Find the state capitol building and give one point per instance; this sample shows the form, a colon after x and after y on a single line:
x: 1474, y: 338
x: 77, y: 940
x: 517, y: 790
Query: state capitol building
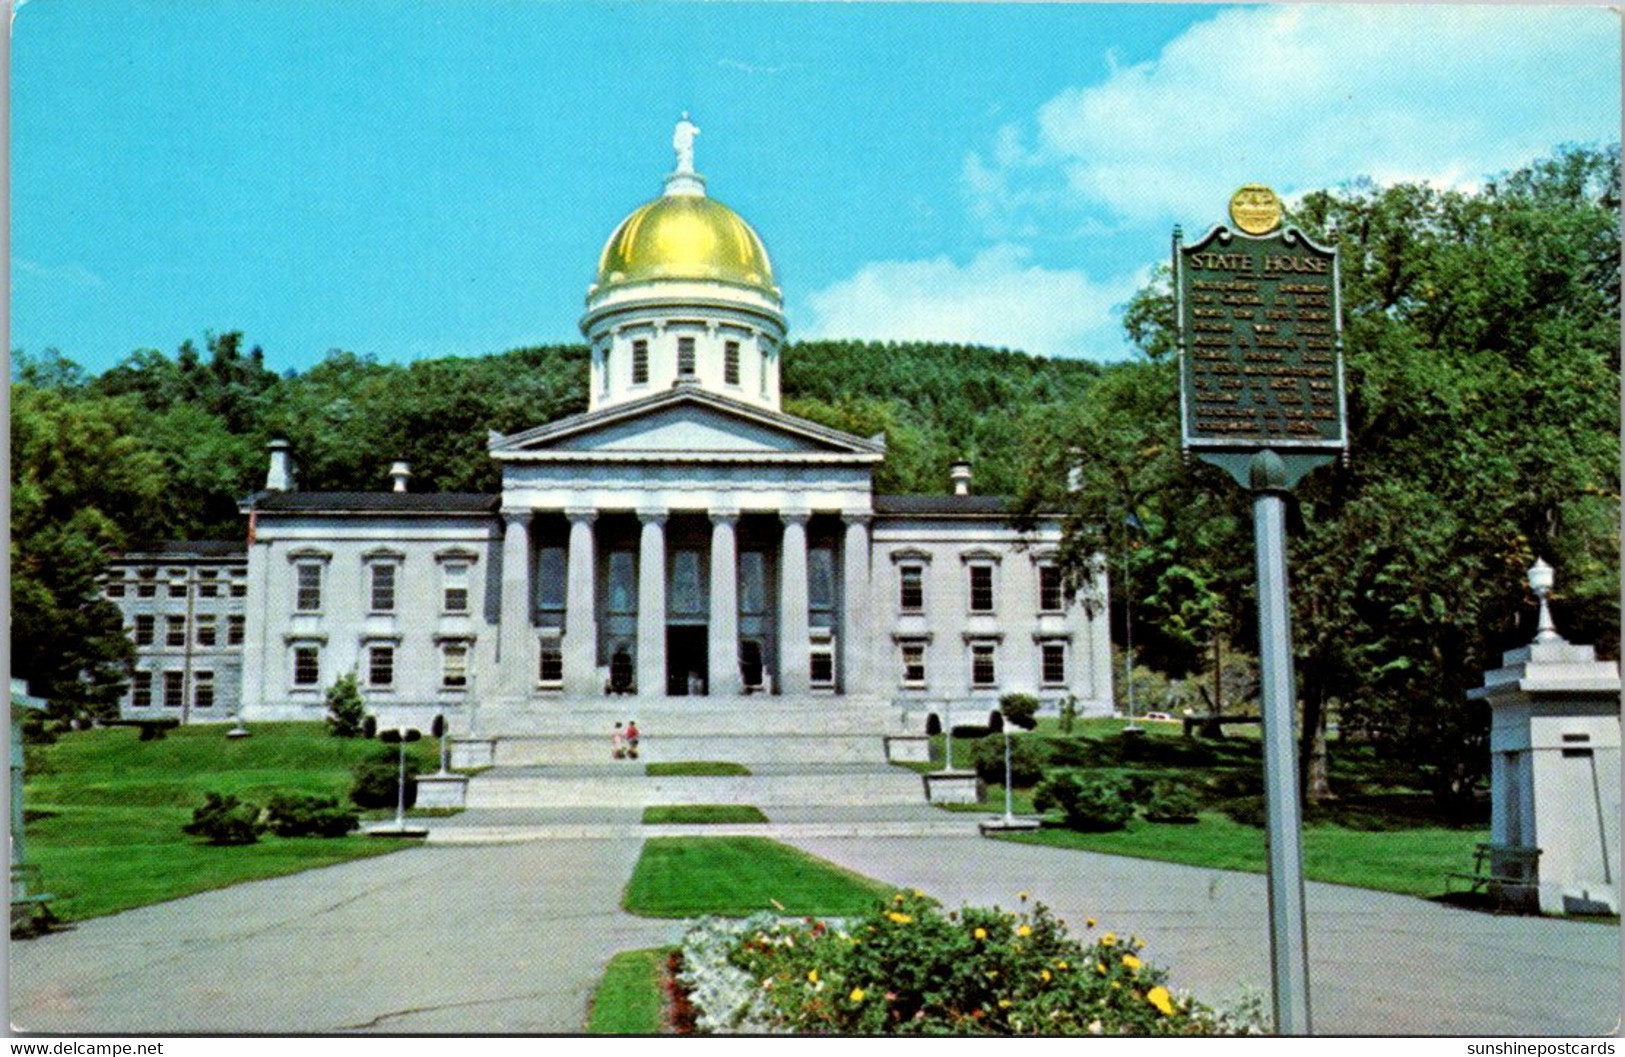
x: 682, y: 538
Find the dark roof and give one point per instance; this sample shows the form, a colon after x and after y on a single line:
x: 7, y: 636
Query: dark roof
x: 377, y: 502
x: 194, y: 549
x: 943, y: 505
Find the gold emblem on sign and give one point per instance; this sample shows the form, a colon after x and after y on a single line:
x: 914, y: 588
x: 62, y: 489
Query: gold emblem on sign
x: 1255, y: 209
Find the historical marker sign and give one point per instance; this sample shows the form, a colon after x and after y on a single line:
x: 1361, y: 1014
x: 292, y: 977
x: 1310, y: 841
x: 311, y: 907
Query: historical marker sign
x: 1260, y: 336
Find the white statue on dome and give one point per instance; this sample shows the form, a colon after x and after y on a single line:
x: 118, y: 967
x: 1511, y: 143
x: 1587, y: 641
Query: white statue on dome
x: 682, y: 141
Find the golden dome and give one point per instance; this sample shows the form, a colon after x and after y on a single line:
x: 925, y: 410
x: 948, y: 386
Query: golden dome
x: 685, y: 236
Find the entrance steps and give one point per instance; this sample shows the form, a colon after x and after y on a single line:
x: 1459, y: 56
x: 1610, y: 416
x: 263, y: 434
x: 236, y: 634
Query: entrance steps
x: 624, y: 784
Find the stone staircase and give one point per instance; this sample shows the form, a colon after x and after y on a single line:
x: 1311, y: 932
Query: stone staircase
x: 626, y: 785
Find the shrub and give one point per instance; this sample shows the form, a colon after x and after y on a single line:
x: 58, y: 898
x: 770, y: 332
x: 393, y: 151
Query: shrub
x: 377, y: 780
x: 1069, y: 713
x: 970, y: 731
x: 1026, y: 761
x: 1020, y: 709
x: 345, y: 711
x: 995, y: 722
x: 908, y: 968
x: 933, y: 725
x: 225, y: 820
x: 1168, y: 801
x: 1090, y: 804
x: 291, y: 815
x: 1247, y: 811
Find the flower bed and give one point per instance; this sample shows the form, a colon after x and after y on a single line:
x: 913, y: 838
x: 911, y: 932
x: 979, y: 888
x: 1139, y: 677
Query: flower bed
x: 910, y: 968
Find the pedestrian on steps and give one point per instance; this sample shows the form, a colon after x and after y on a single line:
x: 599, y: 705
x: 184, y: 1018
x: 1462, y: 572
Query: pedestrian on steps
x: 617, y: 744
x: 631, y: 737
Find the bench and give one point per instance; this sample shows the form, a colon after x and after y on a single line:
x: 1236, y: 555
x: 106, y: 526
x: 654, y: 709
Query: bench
x: 1504, y: 872
x: 29, y: 913
x: 1213, y: 726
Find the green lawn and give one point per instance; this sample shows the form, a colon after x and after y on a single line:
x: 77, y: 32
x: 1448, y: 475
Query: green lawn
x: 696, y: 769
x: 628, y: 1000
x: 686, y: 877
x: 105, y: 811
x: 703, y: 814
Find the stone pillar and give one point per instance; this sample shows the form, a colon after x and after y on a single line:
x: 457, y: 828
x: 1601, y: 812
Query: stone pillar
x: 580, y: 617
x: 652, y: 604
x: 515, y: 676
x: 722, y: 652
x: 794, y: 663
x: 855, y: 601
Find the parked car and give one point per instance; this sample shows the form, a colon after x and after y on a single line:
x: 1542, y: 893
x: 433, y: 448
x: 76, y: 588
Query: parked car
x: 1161, y: 717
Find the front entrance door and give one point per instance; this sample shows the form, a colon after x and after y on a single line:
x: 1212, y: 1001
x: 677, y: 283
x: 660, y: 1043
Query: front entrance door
x: 686, y: 659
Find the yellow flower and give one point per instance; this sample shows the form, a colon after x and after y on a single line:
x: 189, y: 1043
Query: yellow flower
x: 812, y: 976
x: 1004, y: 1003
x: 1158, y: 996
x: 1024, y: 931
x: 1116, y: 986
x: 1021, y: 896
x: 1044, y: 975
x: 1109, y: 940
x: 980, y: 933
x: 1062, y: 965
x: 918, y: 894
x: 992, y: 972
x: 1131, y: 961
x: 1100, y: 967
x: 898, y: 898
x: 856, y: 995
x: 901, y: 919
x: 1089, y: 923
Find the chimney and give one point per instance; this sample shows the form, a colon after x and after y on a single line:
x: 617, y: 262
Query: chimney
x: 282, y: 476
x: 401, y: 471
x: 959, y: 473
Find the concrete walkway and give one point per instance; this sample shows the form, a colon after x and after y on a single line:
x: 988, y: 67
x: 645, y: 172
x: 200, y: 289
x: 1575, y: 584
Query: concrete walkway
x: 518, y: 935
x: 1380, y: 964
x: 508, y: 939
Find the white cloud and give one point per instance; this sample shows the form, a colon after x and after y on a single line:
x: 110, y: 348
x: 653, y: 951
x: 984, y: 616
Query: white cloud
x: 1309, y: 96
x: 999, y: 298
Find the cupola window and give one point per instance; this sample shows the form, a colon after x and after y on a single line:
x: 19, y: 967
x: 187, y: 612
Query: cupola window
x: 685, y: 357
x: 640, y: 362
x: 730, y: 363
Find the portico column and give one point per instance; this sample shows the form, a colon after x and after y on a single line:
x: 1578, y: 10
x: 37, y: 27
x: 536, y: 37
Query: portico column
x: 514, y: 675
x: 652, y: 604
x: 794, y: 675
x: 723, y: 650
x: 580, y: 618
x: 855, y: 645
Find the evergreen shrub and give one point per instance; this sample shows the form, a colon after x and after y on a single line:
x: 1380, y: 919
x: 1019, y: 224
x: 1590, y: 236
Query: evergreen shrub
x: 1026, y: 760
x: 346, y: 714
x: 292, y: 815
x: 1168, y: 801
x: 377, y: 780
x: 225, y: 820
x: 1093, y: 805
x: 1020, y: 709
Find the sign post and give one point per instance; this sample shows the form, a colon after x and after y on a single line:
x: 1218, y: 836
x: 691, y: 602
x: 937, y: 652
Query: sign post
x: 1261, y: 397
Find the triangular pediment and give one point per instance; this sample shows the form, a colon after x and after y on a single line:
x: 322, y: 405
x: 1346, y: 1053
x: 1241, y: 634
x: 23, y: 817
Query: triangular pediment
x: 683, y: 424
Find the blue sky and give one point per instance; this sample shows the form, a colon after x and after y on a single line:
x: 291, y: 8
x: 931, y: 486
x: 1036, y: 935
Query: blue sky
x: 410, y: 179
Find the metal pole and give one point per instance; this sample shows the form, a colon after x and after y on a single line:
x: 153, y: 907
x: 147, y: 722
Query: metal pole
x: 1128, y: 638
x: 1289, y: 960
x: 400, y: 794
x: 1009, y: 813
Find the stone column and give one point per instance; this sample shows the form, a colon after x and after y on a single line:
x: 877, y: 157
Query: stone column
x: 515, y: 676
x: 723, y: 650
x: 855, y: 644
x: 652, y: 604
x: 794, y: 677
x: 580, y: 617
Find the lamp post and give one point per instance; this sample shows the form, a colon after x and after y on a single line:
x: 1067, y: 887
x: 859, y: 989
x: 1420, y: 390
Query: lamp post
x: 1130, y: 522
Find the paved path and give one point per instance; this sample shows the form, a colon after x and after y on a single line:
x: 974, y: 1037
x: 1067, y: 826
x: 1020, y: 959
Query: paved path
x: 519, y: 936
x: 1380, y: 964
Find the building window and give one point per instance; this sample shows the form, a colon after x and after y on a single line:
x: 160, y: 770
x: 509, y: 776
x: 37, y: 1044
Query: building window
x: 234, y: 631
x: 685, y: 357
x: 141, y: 690
x: 203, y: 689
x: 752, y: 583
x: 307, y: 666
x: 730, y: 362
x: 982, y: 671
x: 913, y: 664
x: 911, y: 591
x: 146, y: 586
x: 1052, y: 663
x: 1050, y: 598
x: 207, y: 631
x: 177, y: 583
x: 208, y: 587
x: 455, y: 576
x: 551, y: 670
x: 115, y: 586
x: 239, y: 586
x: 175, y: 631
x: 981, y: 588
x: 308, y: 599
x: 383, y: 587
x: 552, y: 579
x: 144, y: 630
x: 454, y: 665
x: 174, y: 689
x: 640, y: 362
x: 623, y: 584
x: 380, y: 666
x: 822, y: 668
